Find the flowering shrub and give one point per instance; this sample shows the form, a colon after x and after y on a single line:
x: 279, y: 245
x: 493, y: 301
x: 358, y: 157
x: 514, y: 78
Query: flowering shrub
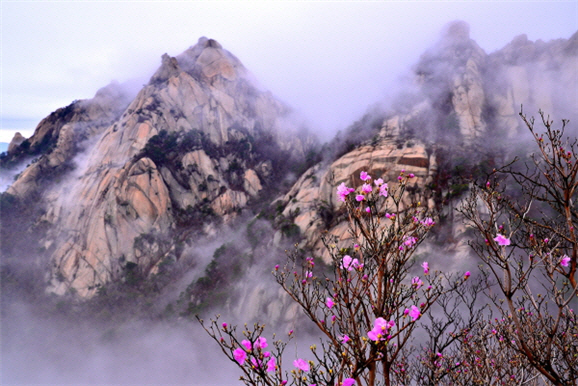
x: 377, y: 299
x: 367, y: 310
x: 530, y: 249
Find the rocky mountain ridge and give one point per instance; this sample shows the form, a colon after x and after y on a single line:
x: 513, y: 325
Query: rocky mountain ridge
x: 200, y: 144
x: 464, y: 115
x: 192, y: 149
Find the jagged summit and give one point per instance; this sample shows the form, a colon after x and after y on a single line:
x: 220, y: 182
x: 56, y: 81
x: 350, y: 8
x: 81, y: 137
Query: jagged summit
x: 207, y: 59
x: 15, y: 142
x: 193, y: 148
x: 201, y: 142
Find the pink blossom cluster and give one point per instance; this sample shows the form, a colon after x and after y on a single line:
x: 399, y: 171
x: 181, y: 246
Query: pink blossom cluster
x: 343, y: 191
x: 428, y: 222
x: 380, y: 329
x: 349, y: 263
x: 301, y: 364
x: 502, y: 240
x: 240, y: 354
x: 416, y: 282
x: 425, y: 266
x: 382, y: 187
x: 409, y: 242
x: 413, y: 313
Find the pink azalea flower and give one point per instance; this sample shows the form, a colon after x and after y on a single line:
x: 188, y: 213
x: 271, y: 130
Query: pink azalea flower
x: 247, y: 344
x: 329, y: 303
x: 348, y: 382
x: 383, y: 190
x: 467, y: 274
x: 428, y: 222
x: 416, y: 282
x: 256, y: 363
x: 348, y: 263
x: 260, y: 343
x: 345, y: 339
x: 364, y: 176
x: 343, y: 191
x: 368, y: 209
x: 308, y: 274
x: 414, y: 313
x: 240, y: 355
x: 380, y: 327
x: 378, y: 182
x: 359, y: 197
x: 565, y: 261
x: 425, y: 266
x: 366, y: 188
x: 411, y: 175
x: 410, y: 241
x: 301, y: 364
x: 502, y: 240
x: 271, y: 364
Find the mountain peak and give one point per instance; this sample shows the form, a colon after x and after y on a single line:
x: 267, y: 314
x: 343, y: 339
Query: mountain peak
x: 456, y: 32
x: 207, y: 59
x: 209, y: 43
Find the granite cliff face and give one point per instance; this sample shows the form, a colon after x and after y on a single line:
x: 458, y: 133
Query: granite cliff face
x: 197, y: 144
x: 139, y: 177
x: 462, y: 113
x: 63, y: 134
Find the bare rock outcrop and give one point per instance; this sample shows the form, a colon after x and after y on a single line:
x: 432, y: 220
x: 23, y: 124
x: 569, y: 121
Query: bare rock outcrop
x: 536, y: 75
x: 186, y: 152
x: 66, y: 132
x: 313, y: 205
x: 15, y: 142
x: 466, y: 101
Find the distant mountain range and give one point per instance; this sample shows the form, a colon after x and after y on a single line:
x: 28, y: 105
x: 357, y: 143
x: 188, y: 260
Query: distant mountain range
x: 122, y: 187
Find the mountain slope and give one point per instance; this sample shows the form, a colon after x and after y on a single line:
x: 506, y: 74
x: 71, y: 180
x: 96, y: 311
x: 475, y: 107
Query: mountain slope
x: 460, y: 117
x: 197, y: 144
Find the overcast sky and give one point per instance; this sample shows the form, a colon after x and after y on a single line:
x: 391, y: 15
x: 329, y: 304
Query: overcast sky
x: 329, y: 60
